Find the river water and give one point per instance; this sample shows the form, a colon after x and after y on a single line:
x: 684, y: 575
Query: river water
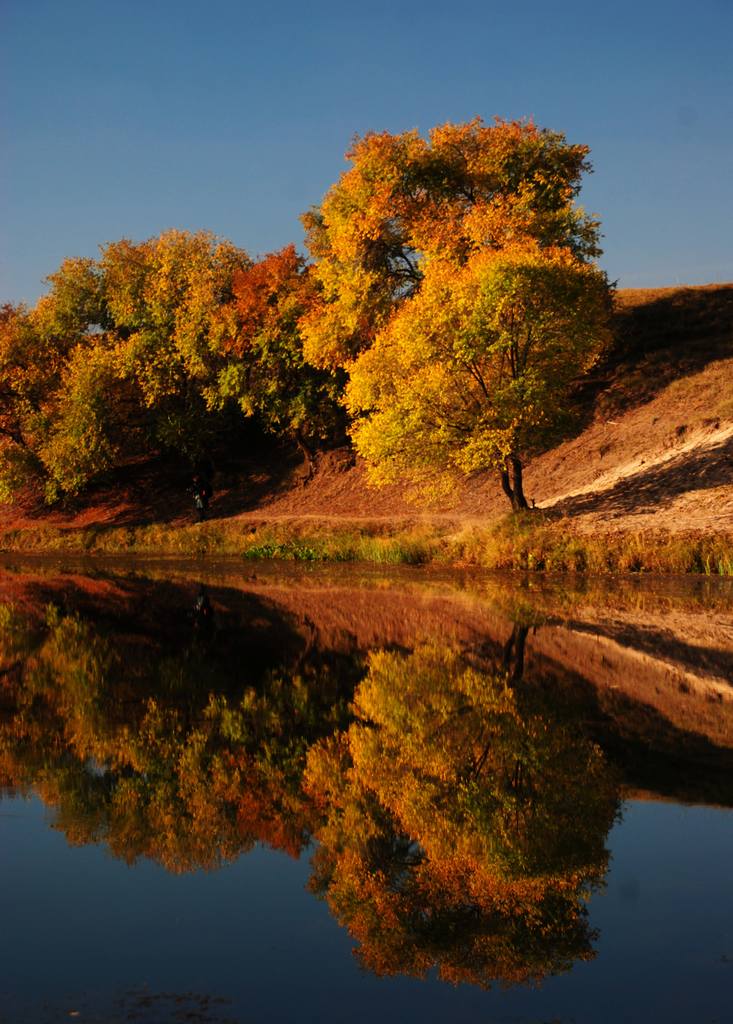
x: 254, y: 793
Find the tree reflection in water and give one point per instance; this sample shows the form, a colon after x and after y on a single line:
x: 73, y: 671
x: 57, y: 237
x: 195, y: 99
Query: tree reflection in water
x: 460, y: 813
x: 464, y: 821
x: 185, y: 748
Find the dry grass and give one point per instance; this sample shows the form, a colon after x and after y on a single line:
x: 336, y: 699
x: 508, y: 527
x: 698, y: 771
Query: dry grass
x: 531, y: 543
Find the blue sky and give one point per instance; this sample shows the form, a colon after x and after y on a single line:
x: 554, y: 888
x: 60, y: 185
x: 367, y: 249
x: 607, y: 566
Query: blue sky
x: 121, y: 118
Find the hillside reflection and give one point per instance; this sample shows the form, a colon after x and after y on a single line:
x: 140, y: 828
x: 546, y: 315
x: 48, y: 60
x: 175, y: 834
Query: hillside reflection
x: 456, y: 796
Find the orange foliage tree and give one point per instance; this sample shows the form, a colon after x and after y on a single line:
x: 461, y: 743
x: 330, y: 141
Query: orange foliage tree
x: 159, y: 345
x: 264, y: 371
x: 405, y: 200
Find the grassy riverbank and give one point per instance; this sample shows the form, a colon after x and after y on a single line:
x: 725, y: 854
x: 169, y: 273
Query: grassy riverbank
x: 521, y: 543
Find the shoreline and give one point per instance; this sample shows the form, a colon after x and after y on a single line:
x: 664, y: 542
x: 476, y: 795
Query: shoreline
x: 517, y: 543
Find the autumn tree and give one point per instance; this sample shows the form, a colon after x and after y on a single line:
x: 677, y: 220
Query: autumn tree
x: 20, y: 390
x: 455, y: 286
x: 162, y: 345
x: 405, y: 200
x: 35, y: 347
x: 264, y: 370
x: 164, y: 299
x: 474, y: 371
x: 113, y: 360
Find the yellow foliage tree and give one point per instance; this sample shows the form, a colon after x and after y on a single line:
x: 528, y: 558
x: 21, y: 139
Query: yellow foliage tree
x: 115, y: 359
x: 474, y: 371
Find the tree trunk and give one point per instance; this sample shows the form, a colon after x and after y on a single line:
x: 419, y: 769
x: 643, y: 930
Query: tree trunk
x: 307, y: 453
x: 514, y: 652
x: 511, y: 483
x: 520, y: 502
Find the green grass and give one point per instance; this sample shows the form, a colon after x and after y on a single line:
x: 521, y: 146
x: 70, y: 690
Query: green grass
x: 527, y: 543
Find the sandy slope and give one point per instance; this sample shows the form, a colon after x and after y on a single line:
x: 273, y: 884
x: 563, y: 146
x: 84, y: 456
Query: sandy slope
x: 667, y: 463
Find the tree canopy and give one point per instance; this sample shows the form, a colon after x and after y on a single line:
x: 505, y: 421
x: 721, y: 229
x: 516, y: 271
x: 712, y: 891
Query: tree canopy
x: 264, y: 369
x: 149, y: 348
x: 118, y: 349
x: 405, y: 200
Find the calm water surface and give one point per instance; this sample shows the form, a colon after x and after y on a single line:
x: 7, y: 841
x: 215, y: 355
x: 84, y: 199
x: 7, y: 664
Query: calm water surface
x: 267, y: 795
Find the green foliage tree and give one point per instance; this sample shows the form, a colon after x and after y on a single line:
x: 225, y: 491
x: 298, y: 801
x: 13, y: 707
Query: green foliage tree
x: 39, y: 352
x: 451, y: 281
x: 20, y: 390
x: 112, y: 360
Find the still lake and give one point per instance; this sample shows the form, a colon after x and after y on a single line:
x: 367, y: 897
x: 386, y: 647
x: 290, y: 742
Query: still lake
x: 233, y: 792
